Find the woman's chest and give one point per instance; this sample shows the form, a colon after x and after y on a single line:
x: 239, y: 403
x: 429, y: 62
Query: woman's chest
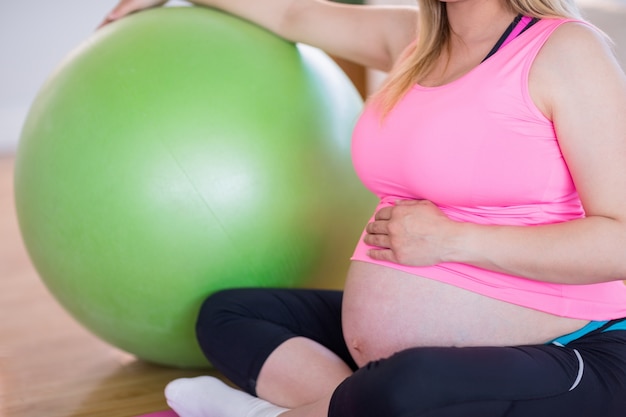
x: 464, y: 149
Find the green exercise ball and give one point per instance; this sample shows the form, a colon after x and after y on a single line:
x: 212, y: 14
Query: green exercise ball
x: 177, y: 152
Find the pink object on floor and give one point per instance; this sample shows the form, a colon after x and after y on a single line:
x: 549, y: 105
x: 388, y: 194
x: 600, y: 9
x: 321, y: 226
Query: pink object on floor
x: 168, y: 413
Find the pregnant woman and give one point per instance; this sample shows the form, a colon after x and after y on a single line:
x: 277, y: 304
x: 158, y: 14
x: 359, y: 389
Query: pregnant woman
x: 488, y: 282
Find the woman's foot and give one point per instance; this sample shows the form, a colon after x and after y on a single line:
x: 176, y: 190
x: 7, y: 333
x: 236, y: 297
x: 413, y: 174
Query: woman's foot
x: 207, y: 396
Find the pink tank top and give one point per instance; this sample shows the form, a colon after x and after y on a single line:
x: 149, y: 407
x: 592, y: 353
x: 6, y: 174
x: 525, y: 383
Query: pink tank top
x: 480, y: 150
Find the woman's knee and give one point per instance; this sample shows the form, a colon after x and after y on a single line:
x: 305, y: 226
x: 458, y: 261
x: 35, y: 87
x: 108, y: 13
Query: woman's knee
x: 218, y: 316
x: 216, y: 309
x: 418, y: 381
x: 398, y: 385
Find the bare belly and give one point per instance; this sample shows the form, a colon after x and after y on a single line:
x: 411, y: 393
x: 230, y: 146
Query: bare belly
x: 386, y: 310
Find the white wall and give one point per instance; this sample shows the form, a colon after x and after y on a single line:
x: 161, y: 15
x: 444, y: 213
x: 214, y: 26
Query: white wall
x: 34, y: 39
x: 610, y: 16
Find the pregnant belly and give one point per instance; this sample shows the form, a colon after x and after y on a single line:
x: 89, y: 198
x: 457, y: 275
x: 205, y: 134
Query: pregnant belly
x: 386, y: 310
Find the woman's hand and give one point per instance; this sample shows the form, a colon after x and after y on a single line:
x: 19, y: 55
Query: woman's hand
x: 126, y: 7
x: 412, y: 232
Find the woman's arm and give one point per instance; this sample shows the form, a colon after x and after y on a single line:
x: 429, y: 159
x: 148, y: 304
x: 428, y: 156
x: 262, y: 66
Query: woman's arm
x: 578, y: 84
x: 373, y: 36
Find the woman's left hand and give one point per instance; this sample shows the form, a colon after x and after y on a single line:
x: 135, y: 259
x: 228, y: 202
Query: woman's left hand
x: 411, y: 232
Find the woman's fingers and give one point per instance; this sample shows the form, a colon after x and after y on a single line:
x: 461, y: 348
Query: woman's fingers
x: 126, y: 7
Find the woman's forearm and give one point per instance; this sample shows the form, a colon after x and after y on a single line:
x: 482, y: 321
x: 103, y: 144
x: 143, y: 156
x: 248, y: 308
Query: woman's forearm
x: 584, y: 251
x: 270, y: 14
x: 373, y: 36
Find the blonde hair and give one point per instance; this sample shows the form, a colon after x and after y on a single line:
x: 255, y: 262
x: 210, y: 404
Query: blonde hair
x: 434, y: 35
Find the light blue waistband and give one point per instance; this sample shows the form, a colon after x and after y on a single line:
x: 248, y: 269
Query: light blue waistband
x: 594, y: 325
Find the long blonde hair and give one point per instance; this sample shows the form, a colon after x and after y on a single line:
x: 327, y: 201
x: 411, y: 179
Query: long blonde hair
x: 434, y: 36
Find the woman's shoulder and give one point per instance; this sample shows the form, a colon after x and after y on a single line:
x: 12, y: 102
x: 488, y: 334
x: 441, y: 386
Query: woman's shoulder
x: 575, y: 52
x: 576, y: 40
x: 575, y: 58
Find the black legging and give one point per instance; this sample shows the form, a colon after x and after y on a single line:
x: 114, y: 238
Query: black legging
x: 238, y: 329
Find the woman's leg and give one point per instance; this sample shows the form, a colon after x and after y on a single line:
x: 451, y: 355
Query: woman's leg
x: 300, y: 371
x: 585, y: 378
x: 285, y: 346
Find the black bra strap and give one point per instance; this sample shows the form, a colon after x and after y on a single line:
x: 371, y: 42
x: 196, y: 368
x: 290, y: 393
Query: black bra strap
x: 507, y: 32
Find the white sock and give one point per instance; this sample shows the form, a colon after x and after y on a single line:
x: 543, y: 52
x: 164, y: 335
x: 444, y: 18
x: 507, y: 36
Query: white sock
x: 206, y: 396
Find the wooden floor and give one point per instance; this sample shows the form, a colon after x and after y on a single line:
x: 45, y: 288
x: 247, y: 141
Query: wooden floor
x: 49, y: 365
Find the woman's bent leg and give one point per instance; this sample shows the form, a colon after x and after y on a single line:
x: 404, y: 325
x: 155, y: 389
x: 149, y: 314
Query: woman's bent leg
x: 585, y: 378
x: 300, y: 371
x: 284, y: 345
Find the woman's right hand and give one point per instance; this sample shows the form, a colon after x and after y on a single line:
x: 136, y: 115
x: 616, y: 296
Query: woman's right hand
x: 126, y: 7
